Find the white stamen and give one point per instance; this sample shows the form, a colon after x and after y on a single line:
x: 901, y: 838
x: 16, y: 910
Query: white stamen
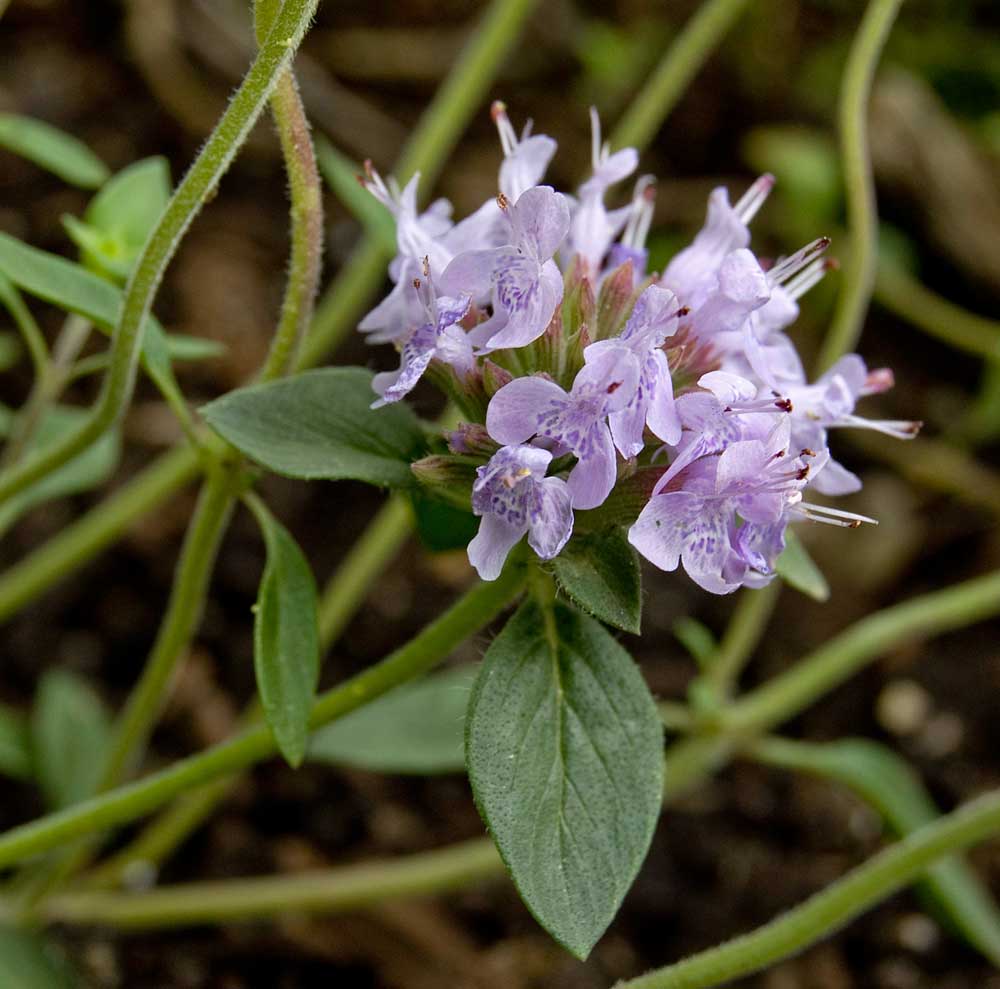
x: 752, y: 200
x: 901, y: 429
x: 831, y: 516
x: 595, y: 138
x: 794, y: 263
x: 812, y: 274
x: 640, y: 213
x: 508, y: 136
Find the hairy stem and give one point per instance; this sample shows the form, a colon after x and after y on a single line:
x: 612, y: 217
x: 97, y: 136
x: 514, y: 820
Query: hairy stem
x: 688, y: 53
x: 827, y: 911
x: 200, y: 181
x: 858, y: 279
x: 431, y: 646
x: 439, y: 128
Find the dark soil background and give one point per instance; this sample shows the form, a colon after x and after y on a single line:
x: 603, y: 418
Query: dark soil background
x: 142, y: 77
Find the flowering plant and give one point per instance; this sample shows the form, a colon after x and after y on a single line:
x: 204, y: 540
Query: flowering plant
x: 599, y: 414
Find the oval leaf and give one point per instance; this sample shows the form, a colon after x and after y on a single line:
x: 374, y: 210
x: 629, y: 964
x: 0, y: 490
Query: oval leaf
x: 70, y: 733
x: 600, y: 573
x: 53, y: 150
x: 286, y: 640
x: 15, y: 744
x: 418, y: 728
x: 796, y: 567
x: 565, y: 755
x: 319, y: 425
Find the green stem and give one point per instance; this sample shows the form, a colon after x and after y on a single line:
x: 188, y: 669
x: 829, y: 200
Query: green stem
x: 433, y: 644
x: 184, y: 611
x: 200, y: 181
x: 306, y: 204
x: 34, y: 340
x: 862, y: 215
x: 743, y: 633
x: 367, y: 558
x: 439, y: 128
x: 81, y: 541
x: 330, y: 891
x: 688, y: 53
x: 906, y: 297
x: 827, y: 911
x: 842, y: 656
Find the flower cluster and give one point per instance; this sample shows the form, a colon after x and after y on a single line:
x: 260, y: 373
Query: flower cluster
x: 672, y: 403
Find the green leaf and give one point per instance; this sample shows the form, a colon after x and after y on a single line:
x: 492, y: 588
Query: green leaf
x: 319, y: 425
x: 27, y: 961
x: 85, y: 471
x: 565, y: 755
x: 441, y: 526
x: 600, y: 573
x: 15, y: 744
x: 120, y: 218
x: 70, y: 733
x: 53, y: 150
x: 796, y: 567
x: 417, y: 728
x: 888, y: 783
x: 341, y: 176
x: 71, y: 287
x: 11, y: 350
x: 286, y: 639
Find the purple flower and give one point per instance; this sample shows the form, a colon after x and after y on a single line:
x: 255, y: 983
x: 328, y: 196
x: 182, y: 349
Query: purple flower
x: 525, y: 160
x: 726, y: 412
x: 725, y: 230
x: 576, y: 423
x: 513, y: 496
x: 728, y: 517
x: 653, y: 319
x: 593, y: 227
x: 438, y: 336
x: 523, y: 282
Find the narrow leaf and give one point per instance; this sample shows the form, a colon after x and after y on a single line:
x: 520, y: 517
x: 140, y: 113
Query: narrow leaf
x: 15, y: 744
x: 181, y: 347
x: 565, y: 755
x: 286, y: 639
x: 71, y: 287
x: 86, y: 470
x: 320, y: 425
x: 600, y: 574
x: 418, y: 728
x: 796, y: 567
x: 891, y: 786
x: 69, y: 735
x: 53, y: 150
x: 27, y: 961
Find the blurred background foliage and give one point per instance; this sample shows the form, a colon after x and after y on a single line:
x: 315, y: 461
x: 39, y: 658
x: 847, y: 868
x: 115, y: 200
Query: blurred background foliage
x: 144, y: 77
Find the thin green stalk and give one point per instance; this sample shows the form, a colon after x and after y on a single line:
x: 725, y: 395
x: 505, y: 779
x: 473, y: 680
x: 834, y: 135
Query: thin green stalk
x: 181, y: 620
x: 201, y: 180
x: 431, y: 646
x: 682, y: 61
x: 439, y: 128
x: 832, y: 908
x: 81, y: 541
x: 859, y: 270
x: 743, y: 633
x: 330, y: 891
x: 34, y: 340
x: 906, y: 297
x: 367, y: 558
x: 306, y: 202
x: 842, y: 656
